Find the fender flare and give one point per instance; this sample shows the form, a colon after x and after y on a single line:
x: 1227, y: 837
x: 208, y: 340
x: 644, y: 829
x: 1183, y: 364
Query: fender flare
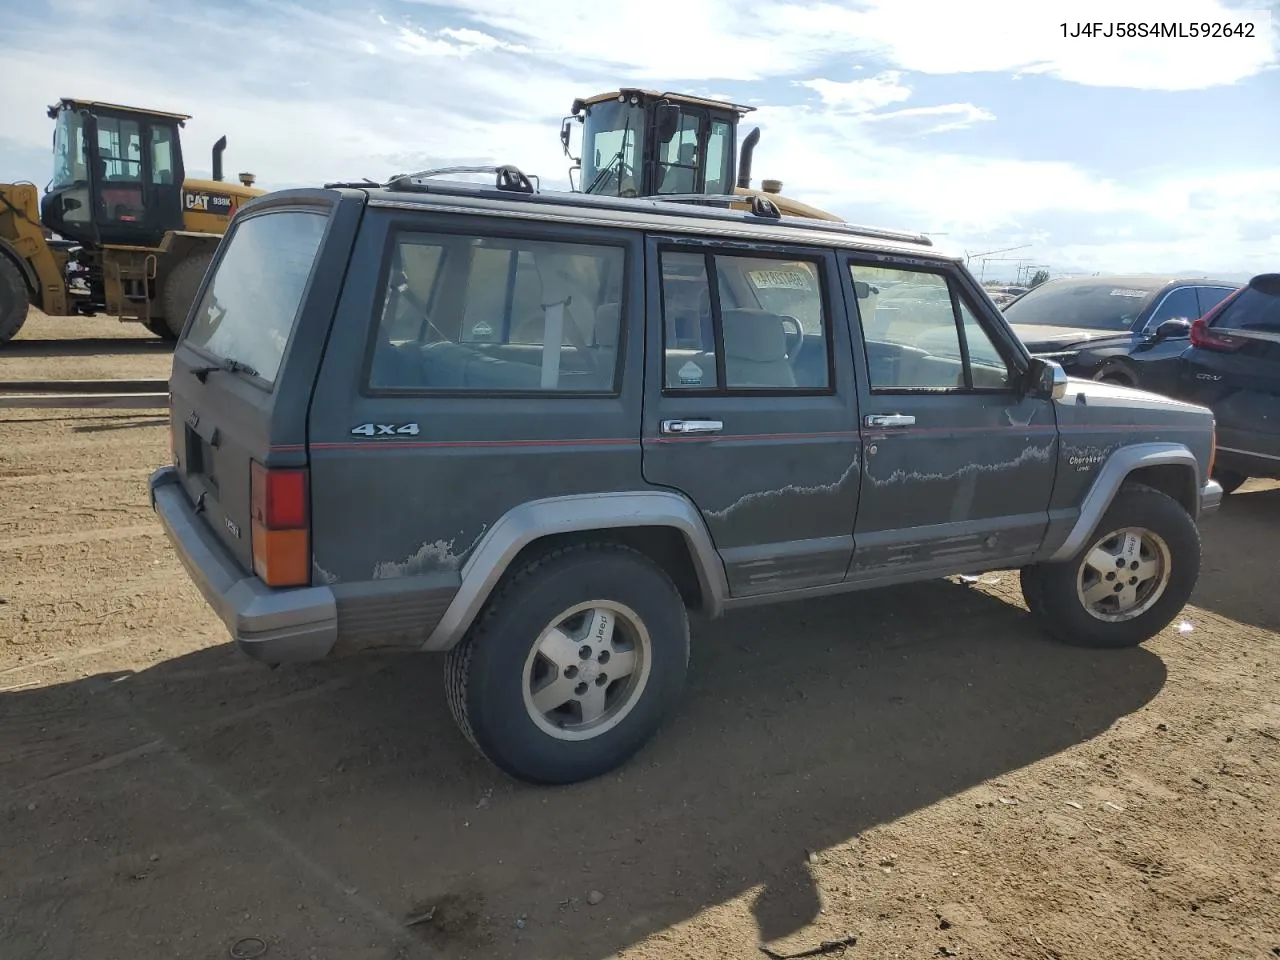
x: 1111, y: 477
x: 24, y: 267
x: 528, y: 522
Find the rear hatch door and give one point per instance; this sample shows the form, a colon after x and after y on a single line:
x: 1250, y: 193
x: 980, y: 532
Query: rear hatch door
x: 1233, y: 367
x: 245, y: 365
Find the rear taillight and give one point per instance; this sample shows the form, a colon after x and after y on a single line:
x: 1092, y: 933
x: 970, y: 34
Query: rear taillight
x: 280, y: 524
x: 1213, y: 449
x: 1206, y: 338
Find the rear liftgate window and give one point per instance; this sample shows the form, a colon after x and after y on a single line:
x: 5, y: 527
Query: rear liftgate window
x: 249, y: 308
x: 498, y: 315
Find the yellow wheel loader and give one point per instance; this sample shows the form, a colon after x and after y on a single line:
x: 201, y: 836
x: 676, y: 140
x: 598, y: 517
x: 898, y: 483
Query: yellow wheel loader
x: 642, y: 143
x: 133, y: 234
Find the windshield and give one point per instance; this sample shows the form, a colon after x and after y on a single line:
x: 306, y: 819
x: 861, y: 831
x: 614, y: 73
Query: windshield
x: 611, y: 149
x: 1092, y: 305
x: 68, y: 149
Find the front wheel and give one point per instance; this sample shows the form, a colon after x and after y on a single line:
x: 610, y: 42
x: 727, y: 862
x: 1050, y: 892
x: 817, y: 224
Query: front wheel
x: 180, y: 290
x: 1130, y: 579
x: 573, y: 664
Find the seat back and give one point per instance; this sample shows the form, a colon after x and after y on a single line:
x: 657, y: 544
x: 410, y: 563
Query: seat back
x: 755, y: 350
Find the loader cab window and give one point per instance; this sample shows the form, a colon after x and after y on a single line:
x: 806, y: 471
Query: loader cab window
x: 678, y: 158
x: 162, y: 165
x: 719, y: 154
x: 68, y: 150
x: 612, y: 149
x: 120, y: 150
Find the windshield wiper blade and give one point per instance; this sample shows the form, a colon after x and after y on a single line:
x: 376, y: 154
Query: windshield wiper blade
x: 228, y: 366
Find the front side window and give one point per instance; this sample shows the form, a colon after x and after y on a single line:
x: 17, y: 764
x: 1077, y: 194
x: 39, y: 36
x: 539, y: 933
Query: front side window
x: 1178, y: 304
x: 736, y: 323
x: 678, y: 157
x: 249, y: 308
x: 499, y: 315
x: 1210, y: 297
x: 920, y: 334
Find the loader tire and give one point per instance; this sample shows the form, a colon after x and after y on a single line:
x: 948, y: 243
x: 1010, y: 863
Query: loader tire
x: 180, y: 290
x: 15, y: 299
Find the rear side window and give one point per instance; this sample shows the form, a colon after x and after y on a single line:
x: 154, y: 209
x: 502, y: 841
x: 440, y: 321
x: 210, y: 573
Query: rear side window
x: 250, y: 306
x: 1256, y: 308
x: 499, y: 315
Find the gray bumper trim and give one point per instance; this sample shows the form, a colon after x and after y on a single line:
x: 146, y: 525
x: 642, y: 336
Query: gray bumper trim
x: 271, y: 625
x: 1210, y: 497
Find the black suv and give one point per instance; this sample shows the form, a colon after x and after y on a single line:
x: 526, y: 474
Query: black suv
x: 534, y: 430
x: 1233, y: 367
x: 1128, y: 330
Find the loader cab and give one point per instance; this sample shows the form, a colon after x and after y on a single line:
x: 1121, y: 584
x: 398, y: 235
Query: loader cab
x: 644, y: 143
x: 117, y: 174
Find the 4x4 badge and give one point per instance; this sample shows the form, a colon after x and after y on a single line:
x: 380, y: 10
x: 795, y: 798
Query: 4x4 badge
x: 385, y: 430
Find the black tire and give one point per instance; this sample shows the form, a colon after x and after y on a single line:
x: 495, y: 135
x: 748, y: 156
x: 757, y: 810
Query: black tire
x: 15, y: 299
x: 160, y: 327
x: 485, y: 675
x: 180, y: 290
x: 1116, y: 373
x: 1231, y: 480
x: 1055, y: 601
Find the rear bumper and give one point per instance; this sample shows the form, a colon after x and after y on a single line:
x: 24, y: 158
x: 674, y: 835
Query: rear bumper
x: 274, y: 626
x: 1210, y: 497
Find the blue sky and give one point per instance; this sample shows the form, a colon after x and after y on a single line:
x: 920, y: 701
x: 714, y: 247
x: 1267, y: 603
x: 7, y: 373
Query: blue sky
x: 976, y: 121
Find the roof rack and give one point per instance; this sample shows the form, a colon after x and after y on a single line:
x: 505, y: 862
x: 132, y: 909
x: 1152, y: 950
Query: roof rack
x: 760, y: 206
x: 508, y: 178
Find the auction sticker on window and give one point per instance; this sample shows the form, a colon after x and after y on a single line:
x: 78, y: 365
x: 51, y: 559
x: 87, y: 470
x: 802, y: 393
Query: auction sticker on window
x: 1123, y: 292
x: 781, y: 279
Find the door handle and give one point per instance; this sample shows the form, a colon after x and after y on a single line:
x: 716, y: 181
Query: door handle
x: 889, y: 420
x: 692, y: 426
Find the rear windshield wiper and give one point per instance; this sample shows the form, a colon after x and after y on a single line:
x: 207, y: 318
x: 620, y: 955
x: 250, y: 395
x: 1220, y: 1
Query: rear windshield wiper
x: 229, y: 366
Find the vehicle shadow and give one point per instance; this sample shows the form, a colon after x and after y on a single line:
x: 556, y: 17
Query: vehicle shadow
x: 802, y: 726
x: 1239, y: 551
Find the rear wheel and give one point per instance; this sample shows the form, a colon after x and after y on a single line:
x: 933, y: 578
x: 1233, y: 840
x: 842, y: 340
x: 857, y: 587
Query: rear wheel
x: 1130, y: 579
x: 1231, y: 480
x: 15, y: 299
x: 573, y: 664
x: 180, y: 290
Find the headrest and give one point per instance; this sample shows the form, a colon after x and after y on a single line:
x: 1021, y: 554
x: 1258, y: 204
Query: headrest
x: 754, y: 335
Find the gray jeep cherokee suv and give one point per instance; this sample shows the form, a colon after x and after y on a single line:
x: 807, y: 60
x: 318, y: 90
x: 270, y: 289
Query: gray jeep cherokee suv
x: 534, y: 430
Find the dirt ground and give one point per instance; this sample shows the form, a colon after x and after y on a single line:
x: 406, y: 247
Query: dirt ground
x: 917, y: 767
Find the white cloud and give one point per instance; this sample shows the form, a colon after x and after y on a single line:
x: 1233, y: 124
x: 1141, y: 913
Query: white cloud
x: 861, y: 96
x: 962, y: 114
x: 715, y: 39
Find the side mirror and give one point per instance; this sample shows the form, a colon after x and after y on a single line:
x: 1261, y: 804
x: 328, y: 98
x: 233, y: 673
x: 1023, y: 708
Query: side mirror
x: 564, y: 135
x: 1176, y: 328
x: 1047, y: 379
x: 666, y: 121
